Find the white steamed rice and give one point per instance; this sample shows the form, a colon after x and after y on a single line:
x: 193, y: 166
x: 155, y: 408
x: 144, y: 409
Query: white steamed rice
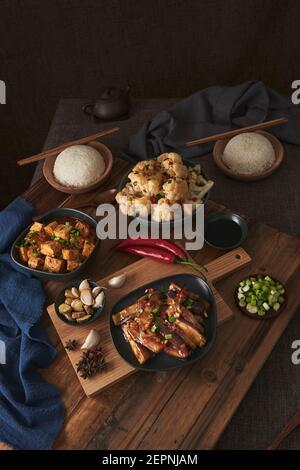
x: 78, y: 166
x: 249, y: 153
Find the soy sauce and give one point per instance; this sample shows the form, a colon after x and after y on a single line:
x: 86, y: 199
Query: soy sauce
x: 223, y: 233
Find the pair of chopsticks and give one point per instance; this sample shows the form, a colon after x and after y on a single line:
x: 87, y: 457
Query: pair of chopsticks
x: 52, y: 152
x: 229, y: 134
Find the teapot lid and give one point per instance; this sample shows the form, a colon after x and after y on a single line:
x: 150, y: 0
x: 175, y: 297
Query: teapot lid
x: 111, y: 94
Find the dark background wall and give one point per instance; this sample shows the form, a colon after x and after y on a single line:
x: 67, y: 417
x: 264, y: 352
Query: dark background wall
x: 164, y: 48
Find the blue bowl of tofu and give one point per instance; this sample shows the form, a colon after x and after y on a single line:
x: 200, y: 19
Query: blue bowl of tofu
x: 59, y: 246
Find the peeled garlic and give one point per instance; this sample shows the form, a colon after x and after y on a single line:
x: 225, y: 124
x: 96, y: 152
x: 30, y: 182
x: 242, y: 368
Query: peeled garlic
x: 88, y: 309
x: 77, y: 305
x: 86, y: 297
x: 117, y: 281
x: 68, y: 293
x: 92, y: 340
x: 96, y: 291
x: 84, y: 285
x: 99, y: 300
x: 75, y: 292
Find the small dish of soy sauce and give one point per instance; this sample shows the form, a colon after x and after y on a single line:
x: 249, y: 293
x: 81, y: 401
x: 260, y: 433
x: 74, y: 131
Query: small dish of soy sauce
x: 225, y: 230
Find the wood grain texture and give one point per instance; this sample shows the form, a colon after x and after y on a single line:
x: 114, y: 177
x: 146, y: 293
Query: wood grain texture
x: 142, y: 411
x: 138, y: 274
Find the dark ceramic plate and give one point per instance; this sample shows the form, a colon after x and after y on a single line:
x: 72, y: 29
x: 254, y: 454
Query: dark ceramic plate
x: 163, y: 361
x: 124, y: 180
x: 226, y: 216
x: 52, y: 215
x: 271, y: 313
x: 61, y: 298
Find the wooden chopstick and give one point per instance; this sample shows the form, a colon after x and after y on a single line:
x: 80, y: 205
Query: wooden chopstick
x: 54, y: 151
x: 286, y: 431
x: 228, y: 134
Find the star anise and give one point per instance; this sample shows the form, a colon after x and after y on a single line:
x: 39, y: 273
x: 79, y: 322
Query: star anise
x: 90, y: 363
x: 71, y: 345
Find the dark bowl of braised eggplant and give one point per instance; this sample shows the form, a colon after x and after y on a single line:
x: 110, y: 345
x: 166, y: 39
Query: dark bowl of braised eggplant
x: 59, y: 246
x: 166, y: 324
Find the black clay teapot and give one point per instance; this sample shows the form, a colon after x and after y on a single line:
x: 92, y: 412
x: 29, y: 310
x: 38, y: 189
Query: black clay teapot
x: 113, y: 104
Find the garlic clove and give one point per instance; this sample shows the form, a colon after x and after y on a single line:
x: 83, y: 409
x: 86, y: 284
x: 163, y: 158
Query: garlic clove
x: 117, y: 281
x: 99, y: 300
x: 84, y: 285
x: 88, y: 309
x: 77, y: 305
x: 75, y: 292
x: 92, y: 340
x: 96, y: 291
x: 86, y: 297
x: 68, y: 293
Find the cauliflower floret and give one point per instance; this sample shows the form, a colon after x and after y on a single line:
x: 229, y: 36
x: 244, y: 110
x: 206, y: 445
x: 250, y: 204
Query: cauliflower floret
x: 164, y: 210
x: 175, y: 189
x: 171, y: 163
x: 134, y: 206
x: 172, y: 156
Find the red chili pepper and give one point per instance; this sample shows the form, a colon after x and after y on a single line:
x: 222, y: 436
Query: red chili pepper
x: 155, y: 243
x: 159, y: 255
x: 155, y: 253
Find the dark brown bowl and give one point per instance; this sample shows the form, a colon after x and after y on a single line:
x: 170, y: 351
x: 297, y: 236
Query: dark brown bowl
x: 271, y: 313
x: 108, y: 159
x: 218, y: 153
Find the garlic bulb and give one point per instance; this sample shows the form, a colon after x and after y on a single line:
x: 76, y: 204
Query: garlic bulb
x: 92, y: 340
x: 117, y: 281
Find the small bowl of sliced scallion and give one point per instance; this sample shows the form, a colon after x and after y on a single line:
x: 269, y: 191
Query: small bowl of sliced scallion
x: 261, y: 296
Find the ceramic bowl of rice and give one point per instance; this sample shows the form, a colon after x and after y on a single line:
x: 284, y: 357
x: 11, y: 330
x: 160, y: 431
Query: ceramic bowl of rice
x: 79, y: 168
x: 249, y: 156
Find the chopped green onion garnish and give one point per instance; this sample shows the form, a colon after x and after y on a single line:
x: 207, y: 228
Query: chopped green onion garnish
x: 169, y: 336
x: 154, y: 310
x: 172, y: 319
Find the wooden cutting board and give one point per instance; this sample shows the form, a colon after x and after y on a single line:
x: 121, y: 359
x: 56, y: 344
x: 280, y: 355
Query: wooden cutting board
x: 138, y: 274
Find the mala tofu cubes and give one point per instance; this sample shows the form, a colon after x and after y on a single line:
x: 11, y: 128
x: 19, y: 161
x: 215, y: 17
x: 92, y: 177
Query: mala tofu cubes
x: 71, y: 265
x: 49, y: 229
x: 36, y: 263
x: 58, y: 246
x: 88, y: 247
x: 62, y: 231
x: 70, y: 255
x: 36, y: 227
x: 83, y: 228
x: 23, y: 251
x: 53, y: 265
x: 51, y: 248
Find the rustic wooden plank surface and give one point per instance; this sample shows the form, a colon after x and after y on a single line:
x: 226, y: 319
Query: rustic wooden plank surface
x: 143, y: 410
x: 138, y: 274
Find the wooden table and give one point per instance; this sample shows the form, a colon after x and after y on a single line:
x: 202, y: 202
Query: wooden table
x: 187, y: 408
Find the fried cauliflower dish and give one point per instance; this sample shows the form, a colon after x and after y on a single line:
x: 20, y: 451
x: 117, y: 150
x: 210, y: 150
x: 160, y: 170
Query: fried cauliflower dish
x: 155, y: 186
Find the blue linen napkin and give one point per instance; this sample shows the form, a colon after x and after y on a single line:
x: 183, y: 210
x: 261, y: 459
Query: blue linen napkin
x: 208, y: 112
x: 31, y: 412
